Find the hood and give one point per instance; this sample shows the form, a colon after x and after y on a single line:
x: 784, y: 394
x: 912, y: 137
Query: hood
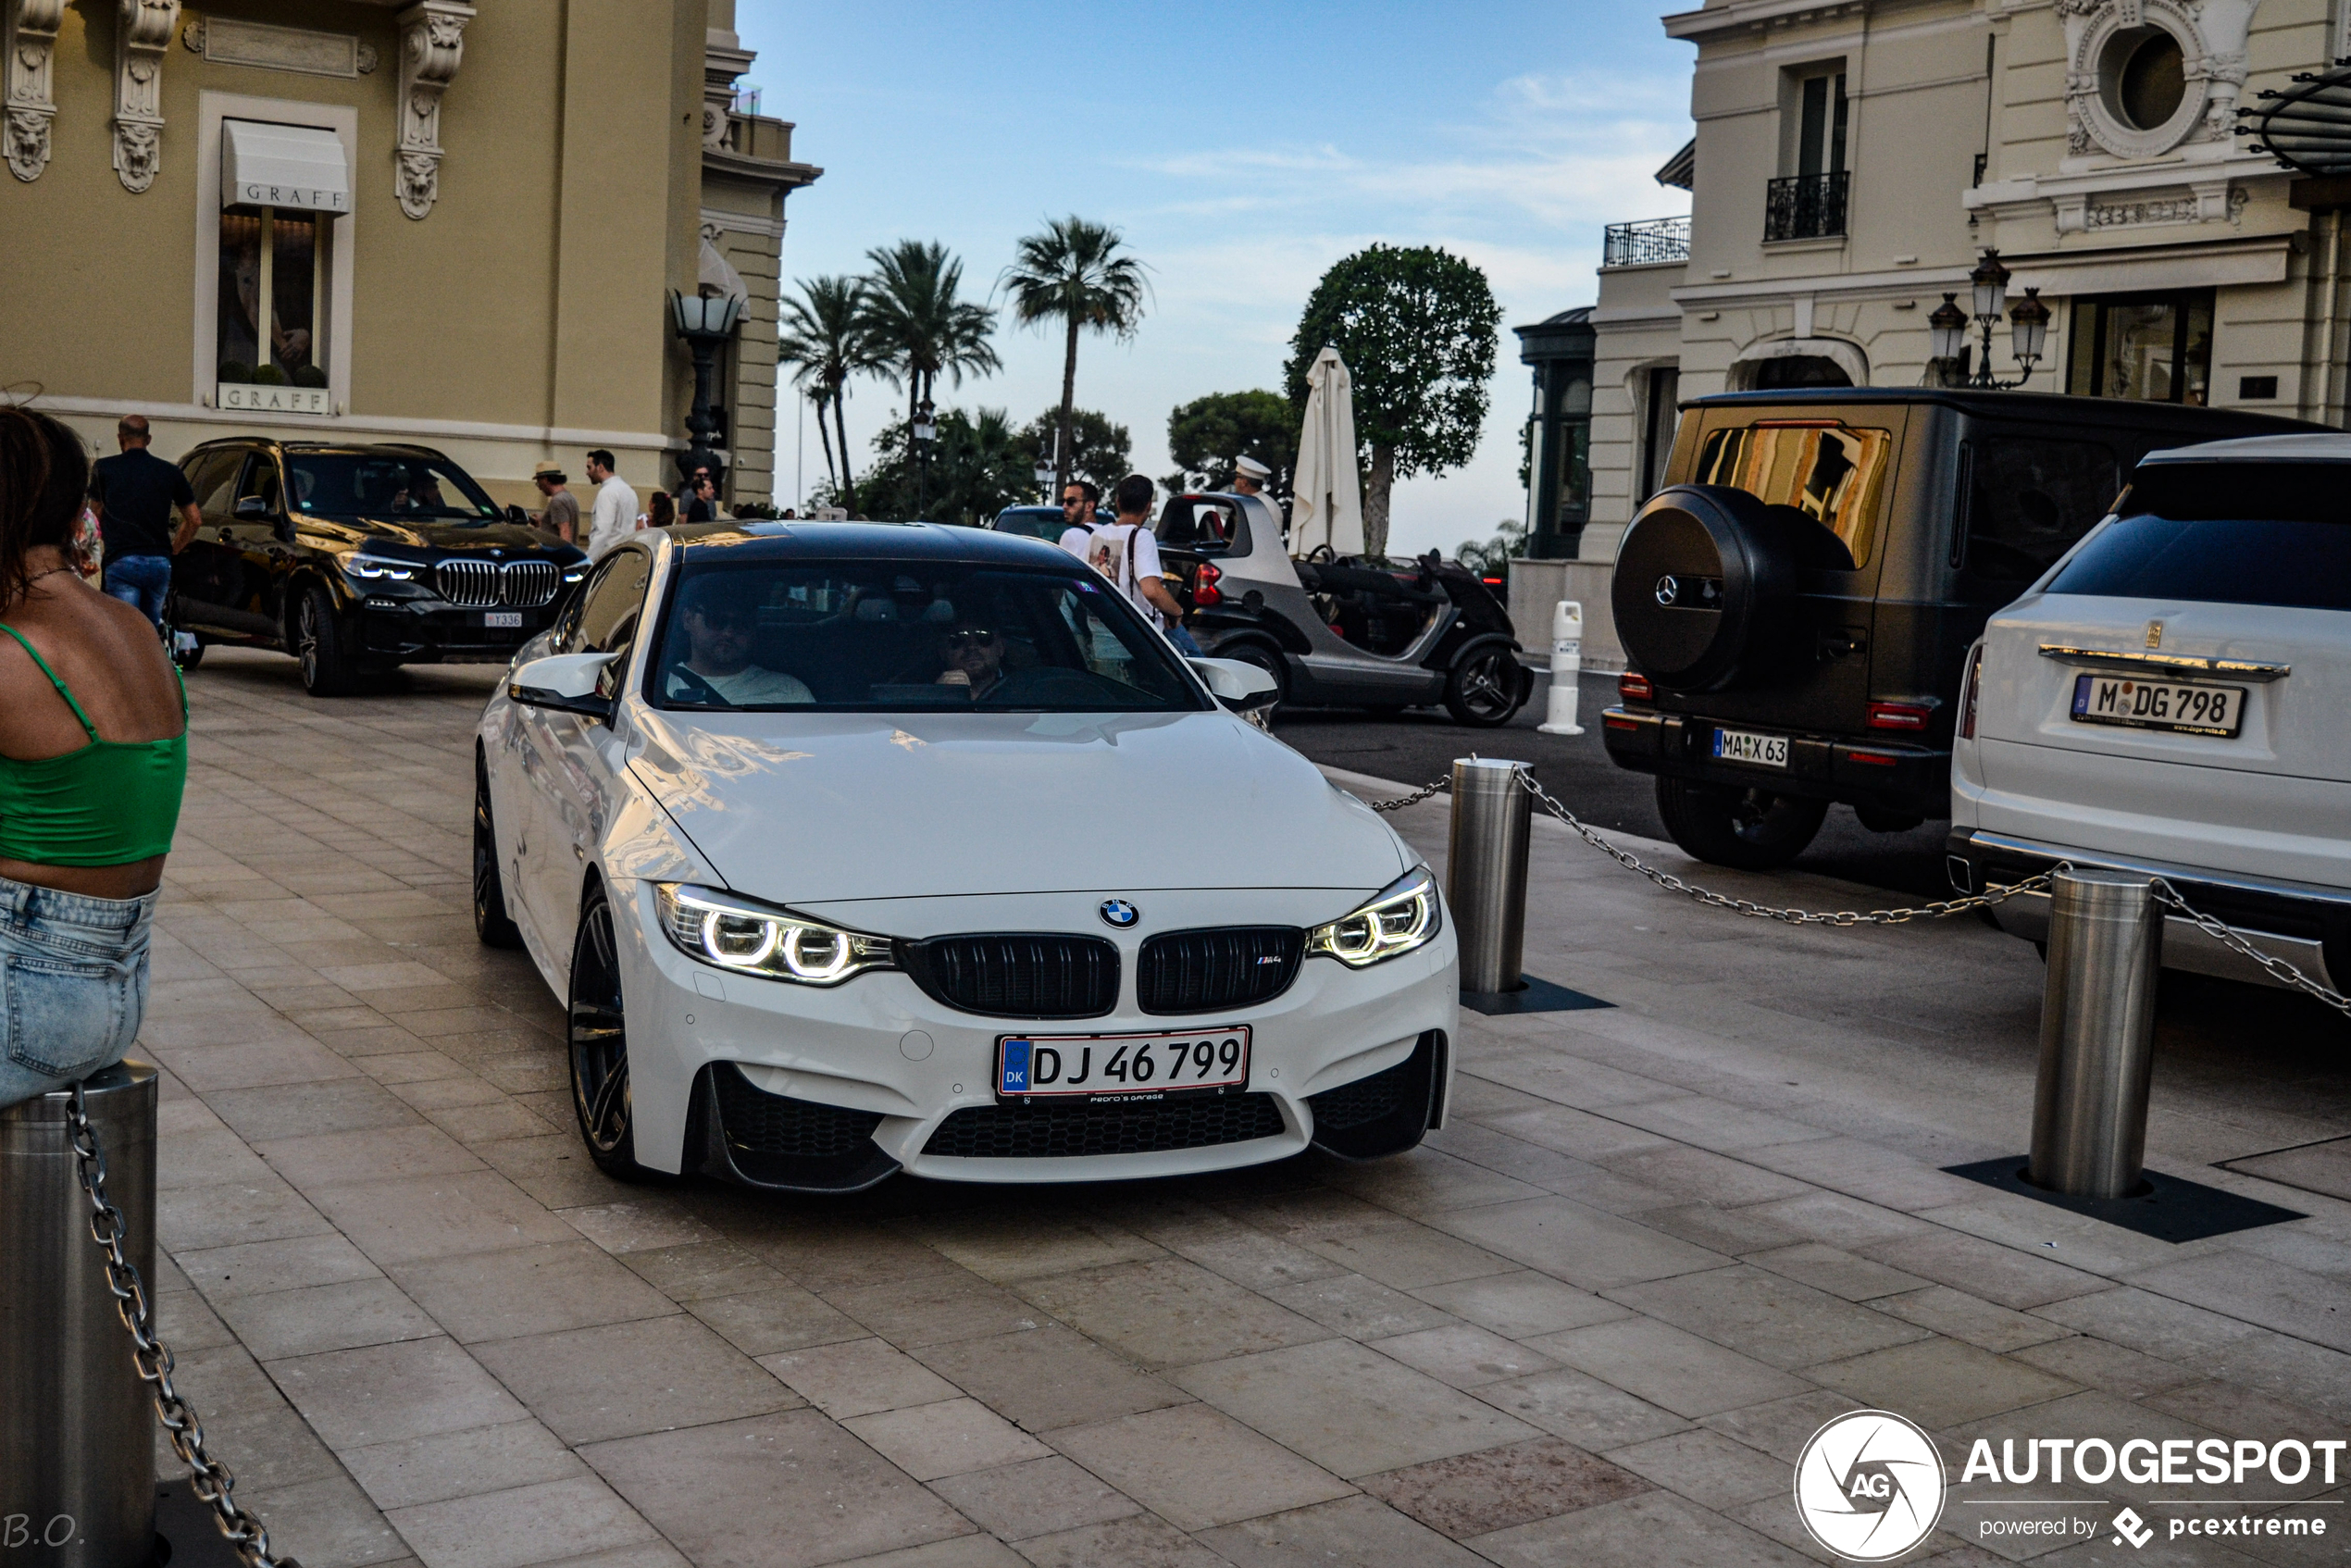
x: 805, y: 808
x: 442, y: 535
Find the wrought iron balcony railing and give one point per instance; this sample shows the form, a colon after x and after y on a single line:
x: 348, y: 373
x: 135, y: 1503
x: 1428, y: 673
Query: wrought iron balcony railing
x: 1650, y: 239
x: 1806, y: 206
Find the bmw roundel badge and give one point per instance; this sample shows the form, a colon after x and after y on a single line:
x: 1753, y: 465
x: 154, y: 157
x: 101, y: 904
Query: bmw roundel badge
x: 1119, y: 912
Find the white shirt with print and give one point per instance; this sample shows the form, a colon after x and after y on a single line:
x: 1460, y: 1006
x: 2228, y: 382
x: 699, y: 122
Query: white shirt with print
x: 1127, y: 553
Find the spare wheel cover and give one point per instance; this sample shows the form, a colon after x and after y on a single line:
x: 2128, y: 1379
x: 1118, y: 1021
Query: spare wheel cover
x: 1690, y: 576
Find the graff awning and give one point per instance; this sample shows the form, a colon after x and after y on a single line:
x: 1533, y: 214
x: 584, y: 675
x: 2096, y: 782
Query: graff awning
x: 2306, y: 125
x: 282, y: 165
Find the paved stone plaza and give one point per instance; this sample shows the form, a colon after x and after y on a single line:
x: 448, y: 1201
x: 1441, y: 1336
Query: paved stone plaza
x: 1589, y: 1322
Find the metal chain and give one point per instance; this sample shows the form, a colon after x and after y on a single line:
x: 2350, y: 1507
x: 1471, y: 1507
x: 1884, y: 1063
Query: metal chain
x: 2278, y: 968
x: 212, y: 1479
x: 1841, y: 920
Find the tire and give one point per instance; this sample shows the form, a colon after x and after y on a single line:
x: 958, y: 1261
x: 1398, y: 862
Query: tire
x: 1273, y: 663
x: 1483, y: 689
x: 190, y: 659
x: 1746, y: 829
x: 491, y: 923
x: 596, y: 1042
x: 321, y: 646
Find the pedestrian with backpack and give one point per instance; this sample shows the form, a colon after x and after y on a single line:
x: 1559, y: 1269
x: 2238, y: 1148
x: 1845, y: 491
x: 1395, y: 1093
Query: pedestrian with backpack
x: 1127, y: 552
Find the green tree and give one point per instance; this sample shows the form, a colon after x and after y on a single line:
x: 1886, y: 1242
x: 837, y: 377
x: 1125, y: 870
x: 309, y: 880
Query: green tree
x: 918, y: 323
x: 1417, y: 326
x: 1077, y: 273
x: 1492, y: 556
x: 822, y: 334
x: 1097, y: 449
x: 1207, y: 433
x: 979, y: 466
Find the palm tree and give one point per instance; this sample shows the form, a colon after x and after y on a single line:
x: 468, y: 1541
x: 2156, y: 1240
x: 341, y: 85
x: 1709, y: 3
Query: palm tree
x: 1075, y: 271
x: 918, y: 324
x: 823, y: 333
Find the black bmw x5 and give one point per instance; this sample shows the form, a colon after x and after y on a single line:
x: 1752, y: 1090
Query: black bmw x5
x: 356, y: 559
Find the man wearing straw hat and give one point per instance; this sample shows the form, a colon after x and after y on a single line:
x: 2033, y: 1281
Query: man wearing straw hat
x: 562, y: 516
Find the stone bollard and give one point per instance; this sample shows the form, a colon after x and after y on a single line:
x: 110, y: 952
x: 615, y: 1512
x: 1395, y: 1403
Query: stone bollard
x: 2098, y: 1035
x: 1485, y: 872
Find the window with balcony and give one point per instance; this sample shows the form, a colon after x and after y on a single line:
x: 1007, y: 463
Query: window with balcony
x: 2153, y: 348
x: 1806, y: 202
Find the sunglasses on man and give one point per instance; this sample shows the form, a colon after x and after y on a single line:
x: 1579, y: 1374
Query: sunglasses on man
x: 957, y: 642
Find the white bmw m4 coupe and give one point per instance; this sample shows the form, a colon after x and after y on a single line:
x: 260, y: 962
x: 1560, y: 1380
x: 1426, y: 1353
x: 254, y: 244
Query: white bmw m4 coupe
x: 860, y: 848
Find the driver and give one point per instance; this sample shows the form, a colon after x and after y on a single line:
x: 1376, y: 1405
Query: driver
x: 975, y: 657
x: 719, y: 618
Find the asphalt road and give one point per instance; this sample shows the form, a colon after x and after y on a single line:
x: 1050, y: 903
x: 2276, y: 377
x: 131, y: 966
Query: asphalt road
x: 1417, y: 746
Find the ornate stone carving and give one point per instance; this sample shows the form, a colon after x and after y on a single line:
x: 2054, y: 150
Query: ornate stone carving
x: 724, y: 59
x: 143, y: 30
x: 366, y: 59
x: 432, y: 45
x: 267, y: 47
x: 31, y: 41
x: 2212, y: 35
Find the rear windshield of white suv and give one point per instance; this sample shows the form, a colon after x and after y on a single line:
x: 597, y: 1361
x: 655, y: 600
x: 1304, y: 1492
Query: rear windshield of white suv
x: 2225, y: 533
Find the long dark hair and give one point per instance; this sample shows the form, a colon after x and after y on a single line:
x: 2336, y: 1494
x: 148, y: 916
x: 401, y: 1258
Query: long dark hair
x: 662, y: 511
x: 44, y: 474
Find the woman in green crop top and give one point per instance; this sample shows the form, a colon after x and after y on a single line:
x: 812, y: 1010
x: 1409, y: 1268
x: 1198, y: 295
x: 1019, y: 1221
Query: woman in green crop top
x: 94, y: 755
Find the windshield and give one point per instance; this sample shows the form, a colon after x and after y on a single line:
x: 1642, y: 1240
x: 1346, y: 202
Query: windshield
x: 895, y: 636
x: 387, y: 484
x: 2276, y: 534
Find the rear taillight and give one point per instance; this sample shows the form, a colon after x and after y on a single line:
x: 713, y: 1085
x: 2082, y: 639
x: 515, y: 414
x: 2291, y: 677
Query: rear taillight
x: 1492, y: 581
x: 1899, y: 716
x: 1204, y: 589
x: 1635, y: 688
x: 1967, y: 702
x: 1876, y: 759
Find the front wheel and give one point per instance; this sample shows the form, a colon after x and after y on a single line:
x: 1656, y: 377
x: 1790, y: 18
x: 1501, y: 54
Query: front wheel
x: 1482, y: 687
x: 321, y: 646
x: 491, y: 923
x: 1746, y: 829
x: 598, y: 1035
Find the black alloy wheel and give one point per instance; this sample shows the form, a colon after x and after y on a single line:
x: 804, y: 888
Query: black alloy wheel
x: 490, y: 922
x: 1746, y: 829
x: 189, y: 658
x: 599, y: 1045
x: 1482, y: 689
x: 319, y: 640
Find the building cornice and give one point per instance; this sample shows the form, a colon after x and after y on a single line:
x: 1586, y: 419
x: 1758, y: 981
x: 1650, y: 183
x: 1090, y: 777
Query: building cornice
x: 1757, y: 15
x: 366, y: 424
x: 778, y: 173
x: 1908, y: 282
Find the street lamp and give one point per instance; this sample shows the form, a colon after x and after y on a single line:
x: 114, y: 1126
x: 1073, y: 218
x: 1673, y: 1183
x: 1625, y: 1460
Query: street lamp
x: 1043, y: 475
x: 704, y: 322
x: 2028, y: 324
x: 925, y: 433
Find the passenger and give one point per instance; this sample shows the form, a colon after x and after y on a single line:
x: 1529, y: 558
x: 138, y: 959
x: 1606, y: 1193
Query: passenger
x: 720, y: 621
x: 975, y: 657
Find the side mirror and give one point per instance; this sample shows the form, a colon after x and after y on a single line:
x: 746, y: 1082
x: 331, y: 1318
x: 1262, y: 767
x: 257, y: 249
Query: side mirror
x: 251, y: 509
x: 566, y: 683
x: 517, y: 516
x: 1240, y: 686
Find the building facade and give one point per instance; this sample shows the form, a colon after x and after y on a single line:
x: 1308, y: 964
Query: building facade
x: 1854, y: 159
x: 432, y: 221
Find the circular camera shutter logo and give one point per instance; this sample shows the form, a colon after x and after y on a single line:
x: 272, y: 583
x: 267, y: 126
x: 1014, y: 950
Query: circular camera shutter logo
x: 1869, y: 1486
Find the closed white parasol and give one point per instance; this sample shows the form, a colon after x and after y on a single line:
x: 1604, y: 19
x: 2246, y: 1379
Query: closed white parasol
x: 1328, y: 505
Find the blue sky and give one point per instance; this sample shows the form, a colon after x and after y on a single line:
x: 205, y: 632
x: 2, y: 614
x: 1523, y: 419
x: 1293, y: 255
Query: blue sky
x: 1242, y: 149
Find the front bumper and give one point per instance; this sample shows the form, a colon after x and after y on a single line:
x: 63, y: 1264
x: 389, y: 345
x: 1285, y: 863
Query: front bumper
x: 2308, y: 927
x: 832, y: 1089
x: 427, y: 630
x: 1903, y: 778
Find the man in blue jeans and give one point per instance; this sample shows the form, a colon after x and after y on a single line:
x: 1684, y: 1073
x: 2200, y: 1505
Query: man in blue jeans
x: 136, y: 495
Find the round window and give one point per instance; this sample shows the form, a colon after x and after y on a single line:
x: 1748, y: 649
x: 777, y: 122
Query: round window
x: 2143, y: 77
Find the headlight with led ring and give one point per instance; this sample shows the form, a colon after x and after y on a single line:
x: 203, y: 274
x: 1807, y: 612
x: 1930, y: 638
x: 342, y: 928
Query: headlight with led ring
x: 729, y: 933
x: 376, y: 568
x: 1403, y: 916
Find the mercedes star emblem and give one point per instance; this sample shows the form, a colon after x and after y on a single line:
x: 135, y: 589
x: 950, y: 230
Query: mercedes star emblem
x: 1668, y: 589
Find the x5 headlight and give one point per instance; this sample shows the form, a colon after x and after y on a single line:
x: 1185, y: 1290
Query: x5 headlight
x: 719, y: 928
x: 1403, y: 916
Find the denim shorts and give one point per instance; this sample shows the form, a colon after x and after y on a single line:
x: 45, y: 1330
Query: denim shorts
x: 73, y: 984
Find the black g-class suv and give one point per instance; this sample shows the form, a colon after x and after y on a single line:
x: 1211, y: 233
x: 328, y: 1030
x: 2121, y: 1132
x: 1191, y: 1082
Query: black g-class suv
x: 358, y: 558
x: 1797, y: 604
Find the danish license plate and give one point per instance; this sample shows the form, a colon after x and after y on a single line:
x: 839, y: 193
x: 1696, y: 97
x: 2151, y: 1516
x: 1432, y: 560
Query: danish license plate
x: 495, y: 618
x: 1113, y: 1068
x: 2158, y: 704
x: 1741, y: 745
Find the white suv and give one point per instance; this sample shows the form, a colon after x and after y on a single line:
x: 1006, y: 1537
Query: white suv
x: 2175, y: 696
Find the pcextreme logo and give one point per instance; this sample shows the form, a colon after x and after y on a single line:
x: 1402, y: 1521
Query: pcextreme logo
x: 1869, y: 1486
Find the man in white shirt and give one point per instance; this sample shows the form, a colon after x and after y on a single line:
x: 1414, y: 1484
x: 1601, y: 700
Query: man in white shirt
x: 720, y: 620
x: 1128, y: 553
x: 616, y: 515
x: 1249, y: 478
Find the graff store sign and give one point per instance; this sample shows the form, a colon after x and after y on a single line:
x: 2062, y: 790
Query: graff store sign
x: 261, y: 193
x: 255, y: 399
